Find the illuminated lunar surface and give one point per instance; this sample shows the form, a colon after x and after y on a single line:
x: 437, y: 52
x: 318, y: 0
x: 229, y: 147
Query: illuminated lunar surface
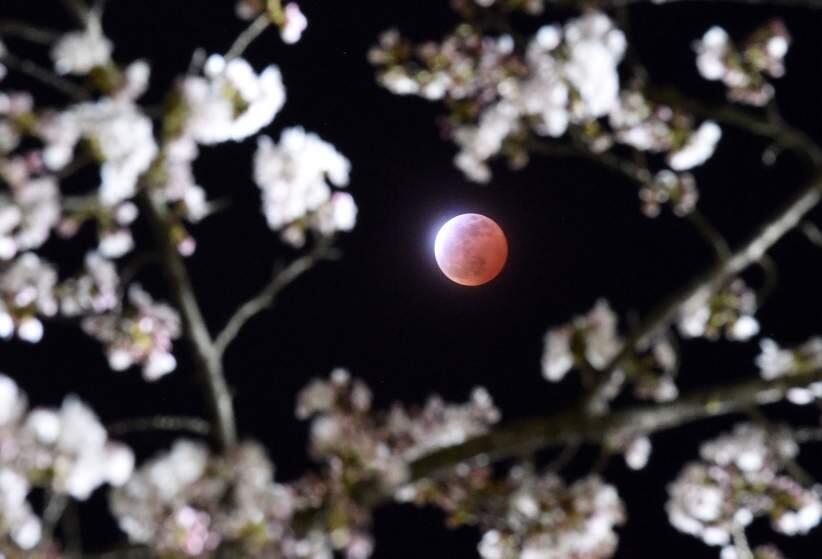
x: 471, y: 249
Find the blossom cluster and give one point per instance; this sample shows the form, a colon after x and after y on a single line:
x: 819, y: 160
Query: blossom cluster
x: 526, y: 515
x: 591, y: 341
x: 468, y: 8
x: 341, y: 424
x: 139, y: 333
x: 221, y: 99
x: 65, y: 450
x: 744, y: 70
x: 775, y: 362
x: 188, y: 502
x: 26, y: 294
x: 503, y: 97
x: 295, y: 177
x: 741, y: 477
x: 729, y: 311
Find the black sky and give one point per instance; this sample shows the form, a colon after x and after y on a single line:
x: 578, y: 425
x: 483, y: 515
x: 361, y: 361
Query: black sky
x: 384, y: 311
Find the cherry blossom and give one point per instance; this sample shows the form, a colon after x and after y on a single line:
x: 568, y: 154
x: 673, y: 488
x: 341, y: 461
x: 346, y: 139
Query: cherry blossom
x: 231, y: 102
x: 527, y: 515
x: 28, y: 215
x: 595, y: 334
x: 296, y: 178
x: 79, y: 52
x: 731, y: 311
x: 26, y: 294
x: 141, y: 333
x: 667, y: 187
x: 66, y: 450
x: 294, y: 25
x: 739, y: 478
x: 743, y: 71
x: 94, y: 291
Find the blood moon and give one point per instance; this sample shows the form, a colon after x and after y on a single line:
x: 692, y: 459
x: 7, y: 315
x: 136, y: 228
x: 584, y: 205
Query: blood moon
x: 471, y: 249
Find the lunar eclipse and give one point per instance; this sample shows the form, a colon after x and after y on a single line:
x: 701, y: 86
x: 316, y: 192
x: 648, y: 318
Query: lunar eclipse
x: 471, y: 249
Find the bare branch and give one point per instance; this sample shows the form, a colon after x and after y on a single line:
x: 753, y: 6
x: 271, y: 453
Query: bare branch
x: 752, y: 250
x: 260, y: 24
x: 206, y: 361
x: 193, y: 425
x: 46, y: 76
x: 28, y: 32
x: 265, y: 298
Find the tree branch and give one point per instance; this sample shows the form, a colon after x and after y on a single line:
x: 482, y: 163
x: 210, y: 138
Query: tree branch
x: 812, y: 4
x: 754, y: 248
x: 46, y: 77
x: 193, y: 425
x: 28, y: 32
x: 260, y: 24
x: 207, y: 363
x: 577, y: 425
x: 265, y: 298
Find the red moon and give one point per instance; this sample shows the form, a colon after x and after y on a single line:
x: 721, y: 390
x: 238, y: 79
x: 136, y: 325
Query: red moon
x: 471, y: 249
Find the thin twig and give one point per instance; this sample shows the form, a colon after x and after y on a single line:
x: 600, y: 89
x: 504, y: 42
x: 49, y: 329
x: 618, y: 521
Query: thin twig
x: 812, y: 232
x: 713, y: 238
x: 79, y: 10
x: 28, y: 32
x: 193, y: 425
x: 260, y: 24
x: 46, y: 76
x: 265, y: 298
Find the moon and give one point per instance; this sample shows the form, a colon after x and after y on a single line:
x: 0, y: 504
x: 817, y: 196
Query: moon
x: 471, y: 249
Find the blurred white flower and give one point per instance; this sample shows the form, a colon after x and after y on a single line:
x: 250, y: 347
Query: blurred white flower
x: 141, y: 334
x: 740, y: 478
x: 596, y: 48
x: 294, y: 25
x: 775, y: 362
x: 26, y: 291
x: 698, y: 148
x: 79, y: 52
x: 231, y: 102
x: 27, y: 217
x: 295, y: 177
x: 94, y: 291
x: 597, y: 335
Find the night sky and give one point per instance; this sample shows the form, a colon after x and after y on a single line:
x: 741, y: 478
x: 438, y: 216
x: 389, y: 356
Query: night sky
x: 384, y: 311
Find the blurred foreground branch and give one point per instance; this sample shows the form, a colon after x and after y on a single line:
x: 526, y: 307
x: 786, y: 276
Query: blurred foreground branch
x: 207, y: 362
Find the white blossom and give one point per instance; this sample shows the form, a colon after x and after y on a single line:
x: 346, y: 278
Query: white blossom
x: 27, y: 217
x: 740, y: 478
x: 26, y: 293
x: 94, y: 291
x: 231, y: 102
x: 140, y: 334
x: 295, y: 177
x: 775, y: 362
x: 598, y: 334
x: 79, y: 52
x: 596, y: 47
x: 294, y: 25
x: 698, y: 148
